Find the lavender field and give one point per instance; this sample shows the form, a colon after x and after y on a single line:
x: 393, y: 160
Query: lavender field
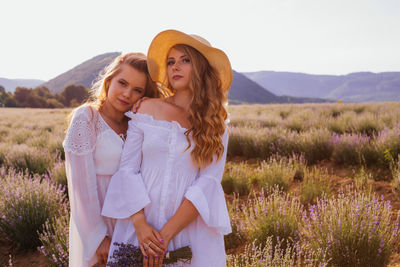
x: 306, y: 185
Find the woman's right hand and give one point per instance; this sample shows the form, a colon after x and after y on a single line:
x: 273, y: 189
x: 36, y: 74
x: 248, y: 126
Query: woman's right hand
x: 150, y: 240
x: 136, y: 107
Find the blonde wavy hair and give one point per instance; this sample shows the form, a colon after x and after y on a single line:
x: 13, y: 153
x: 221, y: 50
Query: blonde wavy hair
x: 99, y: 90
x: 137, y: 61
x: 207, y: 112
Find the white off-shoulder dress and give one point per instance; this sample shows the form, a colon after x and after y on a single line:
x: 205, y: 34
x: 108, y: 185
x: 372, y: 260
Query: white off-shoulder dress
x: 156, y: 173
x: 92, y: 154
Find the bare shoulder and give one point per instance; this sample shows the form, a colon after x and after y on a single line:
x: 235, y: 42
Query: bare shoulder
x: 150, y: 106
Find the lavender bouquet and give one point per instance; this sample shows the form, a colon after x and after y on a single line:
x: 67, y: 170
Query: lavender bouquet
x: 128, y: 255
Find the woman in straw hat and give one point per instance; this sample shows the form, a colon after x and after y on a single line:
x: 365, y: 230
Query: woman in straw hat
x: 93, y: 147
x: 170, y: 195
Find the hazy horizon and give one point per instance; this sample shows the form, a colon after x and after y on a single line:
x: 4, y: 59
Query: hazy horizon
x: 233, y: 69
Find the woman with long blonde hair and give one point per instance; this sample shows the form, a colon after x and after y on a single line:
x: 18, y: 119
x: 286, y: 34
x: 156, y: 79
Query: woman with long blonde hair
x: 167, y: 193
x: 93, y: 146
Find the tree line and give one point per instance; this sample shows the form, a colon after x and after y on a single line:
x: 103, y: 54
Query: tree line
x: 41, y: 97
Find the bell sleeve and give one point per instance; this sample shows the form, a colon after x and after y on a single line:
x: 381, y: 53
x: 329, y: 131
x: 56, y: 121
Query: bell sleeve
x: 207, y: 195
x: 86, y: 216
x: 127, y: 193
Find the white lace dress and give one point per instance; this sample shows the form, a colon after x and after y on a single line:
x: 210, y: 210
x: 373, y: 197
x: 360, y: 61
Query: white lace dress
x: 92, y: 156
x: 156, y: 174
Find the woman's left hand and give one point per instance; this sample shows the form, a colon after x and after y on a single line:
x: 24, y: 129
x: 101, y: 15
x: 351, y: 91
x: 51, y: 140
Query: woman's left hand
x: 185, y: 214
x: 166, y: 240
x: 102, y: 251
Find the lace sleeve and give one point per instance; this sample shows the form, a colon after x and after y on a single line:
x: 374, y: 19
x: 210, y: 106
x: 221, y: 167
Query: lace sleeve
x: 81, y: 136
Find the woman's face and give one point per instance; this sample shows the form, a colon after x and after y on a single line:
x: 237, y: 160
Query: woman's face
x: 179, y: 69
x: 127, y: 87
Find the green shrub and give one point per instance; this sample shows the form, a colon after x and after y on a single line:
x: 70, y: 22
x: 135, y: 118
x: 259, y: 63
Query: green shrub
x: 336, y: 126
x: 316, y: 145
x: 346, y: 121
x: 3, y: 153
x: 54, y: 239
x: 277, y: 172
x: 355, y: 229
x: 270, y: 255
x: 23, y: 157
x: 242, y: 142
x: 236, y: 178
x: 295, y: 125
x: 370, y: 155
x: 368, y: 126
x: 316, y: 184
x: 359, y: 109
x: 39, y: 141
x: 347, y: 148
x: 55, y: 147
x: 335, y: 112
x: 26, y: 204
x: 388, y: 141
x: 396, y: 173
x: 238, y: 235
x: 21, y: 135
x: 58, y: 174
x: 362, y: 181
x: 277, y: 215
x: 284, y: 114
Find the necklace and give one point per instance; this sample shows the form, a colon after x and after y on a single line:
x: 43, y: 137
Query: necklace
x: 123, y: 136
x: 117, y: 127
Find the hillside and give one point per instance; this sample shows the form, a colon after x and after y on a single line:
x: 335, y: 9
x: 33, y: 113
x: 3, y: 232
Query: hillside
x: 83, y: 74
x: 354, y: 87
x: 255, y: 87
x: 369, y: 87
x: 11, y: 84
x: 243, y: 89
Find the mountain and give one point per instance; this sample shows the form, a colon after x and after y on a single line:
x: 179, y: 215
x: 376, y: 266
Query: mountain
x: 11, y: 84
x: 354, y: 87
x: 83, y: 74
x: 367, y: 86
x: 244, y: 90
x: 295, y: 84
x: 255, y: 87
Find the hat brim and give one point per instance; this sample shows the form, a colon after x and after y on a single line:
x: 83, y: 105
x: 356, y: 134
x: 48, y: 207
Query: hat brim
x: 162, y: 43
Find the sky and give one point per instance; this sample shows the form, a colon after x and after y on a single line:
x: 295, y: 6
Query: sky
x: 43, y: 38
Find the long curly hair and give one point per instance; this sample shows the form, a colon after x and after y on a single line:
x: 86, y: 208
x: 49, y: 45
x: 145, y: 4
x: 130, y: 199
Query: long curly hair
x: 207, y: 112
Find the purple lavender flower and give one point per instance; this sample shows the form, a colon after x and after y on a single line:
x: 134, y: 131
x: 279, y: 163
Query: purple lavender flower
x: 129, y: 255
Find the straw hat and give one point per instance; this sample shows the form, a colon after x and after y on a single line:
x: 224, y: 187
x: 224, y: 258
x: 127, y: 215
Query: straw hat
x: 162, y: 43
